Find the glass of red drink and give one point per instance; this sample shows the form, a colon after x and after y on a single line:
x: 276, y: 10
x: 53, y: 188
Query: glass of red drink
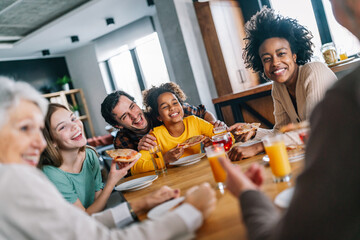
x: 224, y: 138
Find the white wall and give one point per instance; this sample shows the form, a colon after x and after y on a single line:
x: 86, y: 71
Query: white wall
x: 196, y: 52
x: 110, y: 44
x: 85, y: 73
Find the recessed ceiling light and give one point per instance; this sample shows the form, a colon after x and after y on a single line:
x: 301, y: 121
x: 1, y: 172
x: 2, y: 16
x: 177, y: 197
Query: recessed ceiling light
x: 110, y: 21
x: 74, y: 38
x: 45, y: 52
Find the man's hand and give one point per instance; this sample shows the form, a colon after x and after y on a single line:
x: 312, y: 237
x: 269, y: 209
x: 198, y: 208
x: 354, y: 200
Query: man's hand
x: 238, y: 182
x: 146, y: 142
x: 238, y: 152
x: 219, y: 123
x: 159, y: 196
x: 153, y: 199
x: 242, y: 137
x: 202, y: 198
x: 173, y: 154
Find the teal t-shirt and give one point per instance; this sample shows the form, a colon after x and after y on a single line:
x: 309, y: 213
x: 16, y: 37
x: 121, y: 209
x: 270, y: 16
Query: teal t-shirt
x: 81, y: 185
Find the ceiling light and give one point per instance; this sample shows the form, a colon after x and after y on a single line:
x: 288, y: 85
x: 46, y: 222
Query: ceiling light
x: 110, y: 21
x: 74, y: 38
x: 45, y: 52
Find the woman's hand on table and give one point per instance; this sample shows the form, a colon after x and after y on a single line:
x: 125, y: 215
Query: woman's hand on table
x: 146, y: 142
x: 237, y: 181
x: 238, y: 152
x: 116, y: 174
x: 202, y: 197
x: 155, y: 198
x: 242, y: 137
x: 173, y: 154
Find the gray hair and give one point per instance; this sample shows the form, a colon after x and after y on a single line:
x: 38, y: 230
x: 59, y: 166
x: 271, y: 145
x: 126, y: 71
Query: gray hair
x: 12, y: 92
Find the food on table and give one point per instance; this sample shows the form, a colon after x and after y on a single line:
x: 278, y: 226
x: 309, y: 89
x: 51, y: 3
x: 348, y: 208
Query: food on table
x: 294, y: 126
x: 124, y: 155
x: 247, y: 127
x: 192, y: 141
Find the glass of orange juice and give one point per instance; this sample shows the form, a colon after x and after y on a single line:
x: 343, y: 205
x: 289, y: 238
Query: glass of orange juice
x: 279, y: 161
x: 213, y: 153
x: 158, y: 160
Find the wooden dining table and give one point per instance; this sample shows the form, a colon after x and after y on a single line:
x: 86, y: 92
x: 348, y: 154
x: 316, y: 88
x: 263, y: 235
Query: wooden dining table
x: 225, y: 222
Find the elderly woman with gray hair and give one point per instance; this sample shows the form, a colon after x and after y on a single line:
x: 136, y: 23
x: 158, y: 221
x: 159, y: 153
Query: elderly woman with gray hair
x: 32, y: 208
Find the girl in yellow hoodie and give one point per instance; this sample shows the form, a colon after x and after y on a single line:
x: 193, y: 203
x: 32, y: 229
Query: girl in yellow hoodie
x: 165, y: 104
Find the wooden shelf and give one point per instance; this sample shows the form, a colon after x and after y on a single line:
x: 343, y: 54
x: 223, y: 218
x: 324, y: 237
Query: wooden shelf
x: 69, y: 98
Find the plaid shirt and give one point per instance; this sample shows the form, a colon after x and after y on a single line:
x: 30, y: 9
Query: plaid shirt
x: 129, y: 139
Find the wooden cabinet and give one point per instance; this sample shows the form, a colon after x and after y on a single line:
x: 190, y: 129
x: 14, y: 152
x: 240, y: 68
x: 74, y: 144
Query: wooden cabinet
x: 222, y: 28
x: 71, y: 98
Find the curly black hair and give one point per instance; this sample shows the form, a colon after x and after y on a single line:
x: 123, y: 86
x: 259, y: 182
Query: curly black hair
x: 267, y: 24
x: 108, y: 105
x: 151, y: 95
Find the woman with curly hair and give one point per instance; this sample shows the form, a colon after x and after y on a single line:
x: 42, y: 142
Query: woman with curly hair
x: 280, y: 49
x: 164, y: 103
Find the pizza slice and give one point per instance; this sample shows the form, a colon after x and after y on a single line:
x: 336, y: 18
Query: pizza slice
x: 192, y: 141
x: 294, y: 126
x: 123, y: 155
x: 247, y: 127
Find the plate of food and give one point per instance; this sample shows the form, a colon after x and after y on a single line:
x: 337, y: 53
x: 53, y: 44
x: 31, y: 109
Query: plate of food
x: 136, y: 184
x: 192, y: 141
x: 188, y: 160
x: 161, y: 209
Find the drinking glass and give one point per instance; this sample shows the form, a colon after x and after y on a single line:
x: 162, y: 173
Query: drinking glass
x: 213, y: 153
x: 279, y: 161
x: 158, y: 160
x: 224, y: 138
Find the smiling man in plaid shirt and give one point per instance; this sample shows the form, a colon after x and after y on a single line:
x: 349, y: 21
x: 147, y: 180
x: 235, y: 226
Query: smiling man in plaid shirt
x: 120, y: 110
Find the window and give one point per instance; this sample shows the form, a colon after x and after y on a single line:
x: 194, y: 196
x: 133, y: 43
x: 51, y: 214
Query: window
x: 124, y: 75
x: 304, y: 12
x: 342, y: 38
x: 151, y: 60
x: 136, y: 69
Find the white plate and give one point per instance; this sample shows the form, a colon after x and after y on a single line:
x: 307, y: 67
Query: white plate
x: 188, y: 160
x: 283, y: 199
x: 135, y: 183
x: 291, y: 159
x: 160, y: 210
x: 141, y: 187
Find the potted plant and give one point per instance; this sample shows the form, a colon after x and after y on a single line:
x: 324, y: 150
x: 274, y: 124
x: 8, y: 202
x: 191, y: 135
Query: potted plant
x: 75, y: 109
x: 64, y: 82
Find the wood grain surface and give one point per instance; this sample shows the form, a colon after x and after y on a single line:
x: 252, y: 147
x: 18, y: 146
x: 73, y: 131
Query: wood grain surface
x: 225, y: 222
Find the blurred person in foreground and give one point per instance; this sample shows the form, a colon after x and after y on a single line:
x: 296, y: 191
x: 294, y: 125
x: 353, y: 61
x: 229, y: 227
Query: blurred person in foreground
x: 325, y: 204
x: 280, y: 49
x: 32, y: 208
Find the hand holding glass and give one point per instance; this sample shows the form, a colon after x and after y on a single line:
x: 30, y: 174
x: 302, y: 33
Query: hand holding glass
x: 158, y: 160
x: 279, y: 161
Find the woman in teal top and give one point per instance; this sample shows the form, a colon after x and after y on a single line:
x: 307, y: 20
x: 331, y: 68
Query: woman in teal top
x: 73, y: 168
x: 82, y: 185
